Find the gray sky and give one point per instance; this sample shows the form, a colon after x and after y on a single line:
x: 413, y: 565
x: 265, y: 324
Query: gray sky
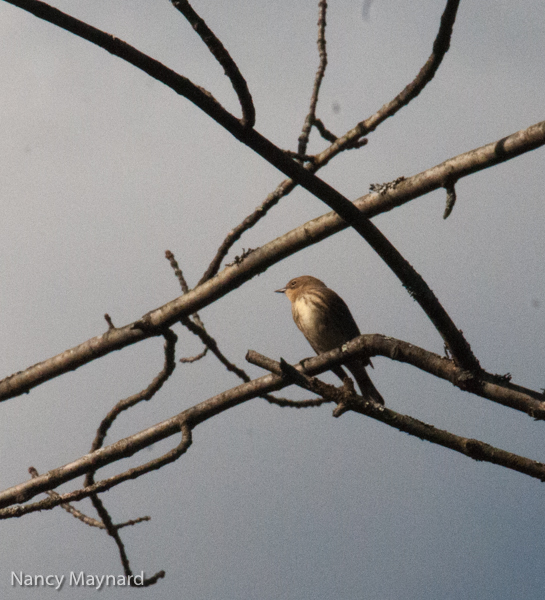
x: 102, y: 169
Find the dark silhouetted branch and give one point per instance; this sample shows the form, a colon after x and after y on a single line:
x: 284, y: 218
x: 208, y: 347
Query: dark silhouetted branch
x: 224, y: 58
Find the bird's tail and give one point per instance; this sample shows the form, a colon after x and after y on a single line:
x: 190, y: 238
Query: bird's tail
x: 368, y: 390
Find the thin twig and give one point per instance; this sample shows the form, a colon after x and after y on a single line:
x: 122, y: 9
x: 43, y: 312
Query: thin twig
x: 177, y: 271
x: 111, y: 529
x: 191, y: 359
x: 322, y: 52
x: 82, y: 517
x: 185, y: 288
x: 197, y: 328
x: 68, y: 507
x: 235, y: 234
x: 132, y: 522
x: 223, y: 57
x: 109, y: 321
x: 145, y: 394
x: 286, y: 403
x: 210, y: 342
x: 175, y: 425
x: 451, y: 200
x: 324, y: 132
x: 427, y: 72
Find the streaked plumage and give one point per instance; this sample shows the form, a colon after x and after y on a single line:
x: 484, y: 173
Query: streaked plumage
x: 325, y: 320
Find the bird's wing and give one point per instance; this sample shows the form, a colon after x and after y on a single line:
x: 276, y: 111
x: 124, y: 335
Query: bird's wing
x: 340, y: 315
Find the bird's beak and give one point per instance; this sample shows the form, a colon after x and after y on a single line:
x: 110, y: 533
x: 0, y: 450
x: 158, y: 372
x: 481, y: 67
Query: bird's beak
x: 281, y: 291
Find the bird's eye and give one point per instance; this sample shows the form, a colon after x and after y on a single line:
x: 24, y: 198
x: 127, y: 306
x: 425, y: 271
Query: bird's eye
x: 293, y: 283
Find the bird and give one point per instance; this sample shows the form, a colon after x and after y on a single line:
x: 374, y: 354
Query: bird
x: 327, y: 323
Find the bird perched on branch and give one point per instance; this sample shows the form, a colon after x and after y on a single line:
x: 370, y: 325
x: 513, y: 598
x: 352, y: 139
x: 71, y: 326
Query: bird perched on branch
x: 326, y: 322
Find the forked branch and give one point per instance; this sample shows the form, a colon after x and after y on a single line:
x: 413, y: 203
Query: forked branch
x: 223, y: 57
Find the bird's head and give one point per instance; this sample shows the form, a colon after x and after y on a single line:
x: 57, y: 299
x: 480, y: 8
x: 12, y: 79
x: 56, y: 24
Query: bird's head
x: 297, y: 285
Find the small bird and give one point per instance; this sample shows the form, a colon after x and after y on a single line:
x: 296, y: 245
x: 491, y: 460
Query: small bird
x: 326, y: 322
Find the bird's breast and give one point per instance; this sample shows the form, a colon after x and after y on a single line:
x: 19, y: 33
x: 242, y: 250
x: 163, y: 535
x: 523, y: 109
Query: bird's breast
x: 310, y: 315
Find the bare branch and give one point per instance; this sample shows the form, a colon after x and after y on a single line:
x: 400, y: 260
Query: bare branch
x: 195, y: 358
x: 475, y: 449
x: 105, y: 484
x: 185, y: 288
x: 285, y: 403
x: 177, y: 271
x: 488, y: 386
x: 146, y: 394
x: 224, y: 58
x: 324, y: 132
x: 68, y: 507
x: 451, y: 200
x: 322, y: 52
x: 132, y: 522
x: 234, y: 235
x: 211, y: 343
x: 426, y: 74
x: 261, y: 259
x: 82, y: 517
x: 198, y: 329
x: 113, y: 531
x: 109, y: 321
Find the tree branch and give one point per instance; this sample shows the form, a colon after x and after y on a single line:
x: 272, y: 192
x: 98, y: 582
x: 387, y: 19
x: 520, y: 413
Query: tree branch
x: 262, y: 258
x: 146, y: 394
x: 412, y: 281
x: 224, y: 58
x: 489, y: 386
x: 322, y: 52
x: 496, y: 388
x: 353, y: 138
x: 426, y: 74
x: 475, y: 449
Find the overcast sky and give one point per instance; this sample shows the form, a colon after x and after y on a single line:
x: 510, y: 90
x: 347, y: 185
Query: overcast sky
x: 102, y: 169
